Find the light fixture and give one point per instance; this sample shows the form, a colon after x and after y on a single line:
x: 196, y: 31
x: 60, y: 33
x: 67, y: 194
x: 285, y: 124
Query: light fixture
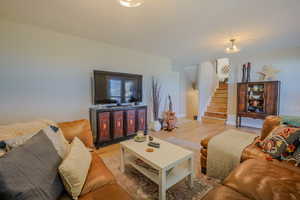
x: 233, y: 48
x: 131, y: 3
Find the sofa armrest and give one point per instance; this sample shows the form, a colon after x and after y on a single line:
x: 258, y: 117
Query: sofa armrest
x: 269, y: 124
x: 205, y: 141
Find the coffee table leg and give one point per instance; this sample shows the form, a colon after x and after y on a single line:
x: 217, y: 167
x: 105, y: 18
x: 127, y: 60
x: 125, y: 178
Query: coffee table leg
x: 192, y: 175
x: 122, y: 164
x: 162, y: 184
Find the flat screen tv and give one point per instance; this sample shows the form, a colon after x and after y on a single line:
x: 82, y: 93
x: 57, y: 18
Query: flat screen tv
x: 117, y: 88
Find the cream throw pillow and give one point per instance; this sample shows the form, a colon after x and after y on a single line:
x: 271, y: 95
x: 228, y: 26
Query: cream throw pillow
x: 74, y: 168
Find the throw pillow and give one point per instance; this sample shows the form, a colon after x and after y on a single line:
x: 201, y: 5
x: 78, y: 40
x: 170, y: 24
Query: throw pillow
x: 58, y: 140
x: 30, y: 171
x: 75, y: 167
x: 282, y: 142
x: 17, y: 141
x: 291, y: 121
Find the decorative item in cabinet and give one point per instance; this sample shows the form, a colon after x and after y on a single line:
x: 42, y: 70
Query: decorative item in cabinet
x: 141, y: 120
x: 103, y: 127
x: 256, y: 98
x: 117, y: 125
x: 130, y: 122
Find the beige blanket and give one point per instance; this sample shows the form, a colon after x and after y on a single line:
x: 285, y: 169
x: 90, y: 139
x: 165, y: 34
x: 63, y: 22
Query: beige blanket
x: 224, y: 152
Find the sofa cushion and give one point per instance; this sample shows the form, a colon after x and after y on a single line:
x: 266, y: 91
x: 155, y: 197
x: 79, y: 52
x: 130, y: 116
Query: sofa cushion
x: 75, y: 167
x: 258, y: 179
x: 107, y: 192
x: 98, y: 175
x: 223, y: 193
x: 30, y: 171
x: 80, y: 129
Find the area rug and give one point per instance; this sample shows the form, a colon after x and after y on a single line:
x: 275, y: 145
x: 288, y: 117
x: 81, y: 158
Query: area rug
x: 142, y: 188
x: 184, y: 143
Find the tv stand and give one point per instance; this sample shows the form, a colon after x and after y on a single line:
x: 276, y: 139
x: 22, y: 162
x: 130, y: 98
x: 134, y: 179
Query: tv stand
x: 112, y: 124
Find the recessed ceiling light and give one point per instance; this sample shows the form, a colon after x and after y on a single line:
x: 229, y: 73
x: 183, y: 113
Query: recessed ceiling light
x: 233, y: 48
x: 131, y: 3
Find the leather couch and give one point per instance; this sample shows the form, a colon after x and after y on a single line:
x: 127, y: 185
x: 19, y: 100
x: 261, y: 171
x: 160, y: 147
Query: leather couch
x: 251, y: 151
x: 100, y: 183
x: 257, y: 178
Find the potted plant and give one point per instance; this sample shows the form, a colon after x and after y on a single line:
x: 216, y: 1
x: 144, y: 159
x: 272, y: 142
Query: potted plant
x: 156, y: 88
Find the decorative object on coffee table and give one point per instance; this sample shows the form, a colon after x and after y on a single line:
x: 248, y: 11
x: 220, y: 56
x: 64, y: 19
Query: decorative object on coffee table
x: 140, y: 137
x: 156, y: 99
x: 168, y: 156
x: 268, y: 73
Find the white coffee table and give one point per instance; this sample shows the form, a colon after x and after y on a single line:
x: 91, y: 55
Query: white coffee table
x: 168, y: 156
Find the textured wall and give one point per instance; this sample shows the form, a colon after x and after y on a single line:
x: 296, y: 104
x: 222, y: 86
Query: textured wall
x: 45, y: 74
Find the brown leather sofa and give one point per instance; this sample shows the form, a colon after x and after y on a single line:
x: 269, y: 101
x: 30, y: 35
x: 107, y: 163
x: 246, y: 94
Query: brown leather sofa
x: 257, y: 178
x: 100, y: 183
x: 251, y: 151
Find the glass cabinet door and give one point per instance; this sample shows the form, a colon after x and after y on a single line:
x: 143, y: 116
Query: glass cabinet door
x: 256, y: 98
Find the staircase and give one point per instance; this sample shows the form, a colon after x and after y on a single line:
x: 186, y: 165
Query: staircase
x: 216, y: 112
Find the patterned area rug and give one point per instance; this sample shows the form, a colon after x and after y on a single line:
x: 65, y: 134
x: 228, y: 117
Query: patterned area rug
x: 142, y: 188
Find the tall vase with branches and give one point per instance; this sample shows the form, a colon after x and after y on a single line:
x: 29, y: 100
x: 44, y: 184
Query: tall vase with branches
x: 156, y: 98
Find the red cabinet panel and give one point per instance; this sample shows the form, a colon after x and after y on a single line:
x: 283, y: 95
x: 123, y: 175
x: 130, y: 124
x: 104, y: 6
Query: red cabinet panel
x: 130, y: 122
x: 118, y: 128
x: 104, y: 127
x: 141, y: 119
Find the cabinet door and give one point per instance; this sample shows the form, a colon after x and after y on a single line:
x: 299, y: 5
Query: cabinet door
x: 242, y: 90
x: 130, y: 122
x: 272, y: 97
x: 141, y: 119
x: 118, y: 128
x: 103, y: 127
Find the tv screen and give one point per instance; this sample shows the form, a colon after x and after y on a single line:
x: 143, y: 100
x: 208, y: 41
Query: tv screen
x: 117, y: 88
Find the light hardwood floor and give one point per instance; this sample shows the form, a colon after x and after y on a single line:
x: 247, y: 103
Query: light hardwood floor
x: 189, y: 131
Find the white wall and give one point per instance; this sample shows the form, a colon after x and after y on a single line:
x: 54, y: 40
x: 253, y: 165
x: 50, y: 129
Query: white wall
x: 207, y: 83
x: 286, y: 60
x: 45, y: 74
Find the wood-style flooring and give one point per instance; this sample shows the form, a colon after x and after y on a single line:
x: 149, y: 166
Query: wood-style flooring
x: 188, y: 130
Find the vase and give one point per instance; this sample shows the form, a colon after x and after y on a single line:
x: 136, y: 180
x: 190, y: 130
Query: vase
x: 156, y: 126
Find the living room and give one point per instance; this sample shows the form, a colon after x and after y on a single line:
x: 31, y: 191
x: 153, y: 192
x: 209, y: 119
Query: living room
x: 192, y: 126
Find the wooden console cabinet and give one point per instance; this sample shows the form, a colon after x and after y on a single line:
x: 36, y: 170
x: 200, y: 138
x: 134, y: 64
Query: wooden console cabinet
x: 257, y: 100
x: 111, y: 125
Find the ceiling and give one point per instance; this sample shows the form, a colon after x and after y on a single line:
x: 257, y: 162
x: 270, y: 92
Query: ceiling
x: 187, y: 31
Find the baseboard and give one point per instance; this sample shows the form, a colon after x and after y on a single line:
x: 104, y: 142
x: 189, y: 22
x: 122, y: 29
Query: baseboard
x: 255, y: 123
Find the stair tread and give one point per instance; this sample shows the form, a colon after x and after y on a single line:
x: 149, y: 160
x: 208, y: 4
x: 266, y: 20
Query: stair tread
x: 217, y: 112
